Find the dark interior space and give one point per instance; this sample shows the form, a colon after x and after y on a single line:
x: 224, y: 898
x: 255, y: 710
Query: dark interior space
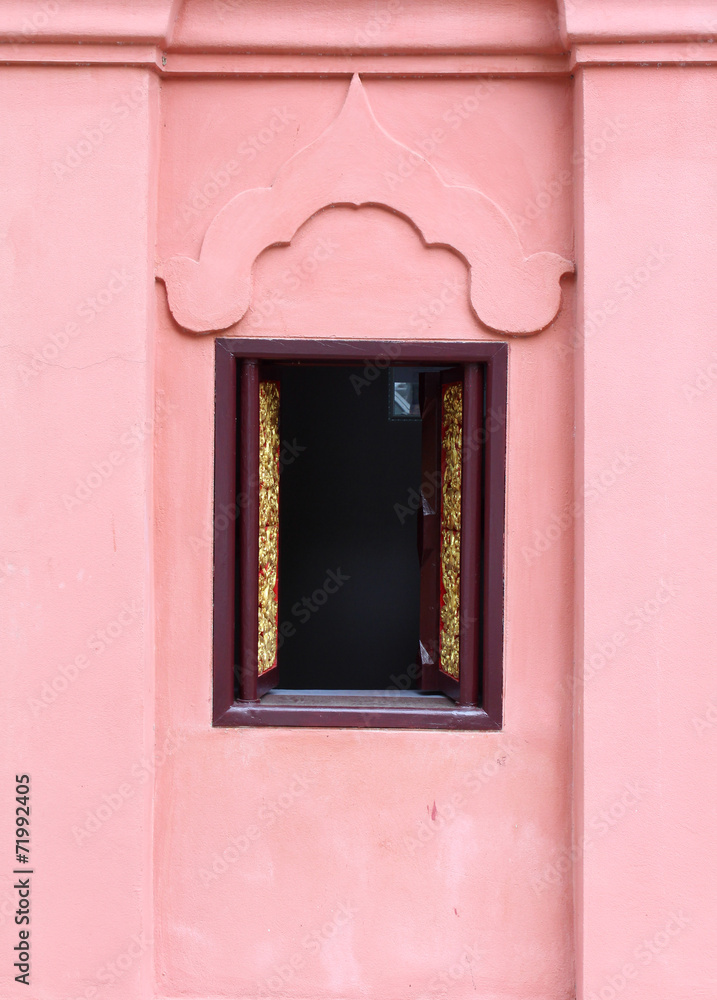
x: 348, y: 559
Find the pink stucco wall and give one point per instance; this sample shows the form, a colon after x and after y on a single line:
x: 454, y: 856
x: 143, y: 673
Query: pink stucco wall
x: 648, y: 553
x: 351, y: 835
x: 570, y: 852
x: 77, y: 326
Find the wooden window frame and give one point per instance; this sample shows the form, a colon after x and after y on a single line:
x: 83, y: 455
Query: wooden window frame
x: 230, y: 508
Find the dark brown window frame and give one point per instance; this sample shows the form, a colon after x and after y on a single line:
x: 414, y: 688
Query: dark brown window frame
x: 229, y: 508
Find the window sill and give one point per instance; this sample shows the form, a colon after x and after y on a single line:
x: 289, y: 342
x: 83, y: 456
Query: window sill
x: 356, y: 710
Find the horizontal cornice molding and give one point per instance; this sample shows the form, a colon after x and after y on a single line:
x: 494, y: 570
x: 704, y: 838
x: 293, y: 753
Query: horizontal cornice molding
x: 636, y: 21
x: 23, y: 21
x: 687, y: 53
x: 173, y: 64
x: 244, y: 36
x: 321, y: 26
x: 169, y: 63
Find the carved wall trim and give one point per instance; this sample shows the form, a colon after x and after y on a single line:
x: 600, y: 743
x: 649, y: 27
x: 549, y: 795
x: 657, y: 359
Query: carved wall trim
x: 167, y: 64
x: 348, y: 165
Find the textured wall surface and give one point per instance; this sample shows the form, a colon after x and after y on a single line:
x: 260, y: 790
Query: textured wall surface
x: 435, y: 843
x: 570, y: 854
x: 76, y: 250
x: 648, y: 388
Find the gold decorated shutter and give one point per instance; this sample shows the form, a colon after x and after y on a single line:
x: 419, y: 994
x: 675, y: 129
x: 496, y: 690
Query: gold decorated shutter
x: 450, y: 560
x: 269, y: 449
x: 439, y: 530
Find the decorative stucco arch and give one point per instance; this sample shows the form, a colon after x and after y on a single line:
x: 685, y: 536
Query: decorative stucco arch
x: 354, y: 163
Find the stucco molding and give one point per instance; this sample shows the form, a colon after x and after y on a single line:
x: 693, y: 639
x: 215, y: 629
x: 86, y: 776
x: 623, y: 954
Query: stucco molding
x: 181, y: 28
x: 637, y: 21
x: 355, y: 162
x: 26, y: 22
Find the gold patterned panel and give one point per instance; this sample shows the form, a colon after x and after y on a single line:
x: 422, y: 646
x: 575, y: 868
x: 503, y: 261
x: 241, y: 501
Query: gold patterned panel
x: 268, y: 524
x: 451, y: 466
